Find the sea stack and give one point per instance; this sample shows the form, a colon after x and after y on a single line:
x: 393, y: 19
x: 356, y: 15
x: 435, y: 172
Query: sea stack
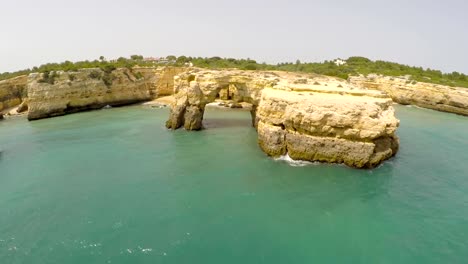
x: 308, y: 117
x: 358, y: 131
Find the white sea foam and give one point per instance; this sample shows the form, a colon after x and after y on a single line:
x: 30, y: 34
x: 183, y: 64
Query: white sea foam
x: 295, y: 163
x: 414, y: 106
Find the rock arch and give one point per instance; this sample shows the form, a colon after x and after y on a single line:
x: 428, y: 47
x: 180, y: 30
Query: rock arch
x: 306, y: 117
x: 196, y: 88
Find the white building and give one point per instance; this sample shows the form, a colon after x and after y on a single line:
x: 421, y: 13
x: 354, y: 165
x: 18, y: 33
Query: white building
x: 339, y: 62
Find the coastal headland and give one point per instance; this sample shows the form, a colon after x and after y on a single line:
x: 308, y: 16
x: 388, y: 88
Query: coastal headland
x: 307, y: 116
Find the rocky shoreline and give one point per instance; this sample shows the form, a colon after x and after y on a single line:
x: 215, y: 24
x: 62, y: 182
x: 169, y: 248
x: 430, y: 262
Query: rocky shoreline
x: 426, y: 95
x: 306, y: 116
x: 65, y: 95
x: 358, y: 131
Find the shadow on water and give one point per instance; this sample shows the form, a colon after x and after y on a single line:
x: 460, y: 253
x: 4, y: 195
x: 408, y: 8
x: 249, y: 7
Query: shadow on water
x: 226, y: 118
x: 226, y: 123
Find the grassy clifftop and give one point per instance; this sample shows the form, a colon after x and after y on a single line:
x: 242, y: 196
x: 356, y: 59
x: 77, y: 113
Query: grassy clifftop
x: 351, y: 66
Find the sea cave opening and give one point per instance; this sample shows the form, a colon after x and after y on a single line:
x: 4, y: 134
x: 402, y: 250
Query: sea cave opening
x: 222, y: 114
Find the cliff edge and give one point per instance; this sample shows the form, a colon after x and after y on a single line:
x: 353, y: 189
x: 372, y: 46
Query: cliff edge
x: 426, y: 95
x: 60, y: 93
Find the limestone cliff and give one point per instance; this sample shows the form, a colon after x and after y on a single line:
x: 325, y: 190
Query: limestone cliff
x: 309, y: 117
x: 197, y: 87
x: 68, y: 92
x: 160, y: 80
x: 12, y: 92
x: 356, y: 130
x: 427, y: 95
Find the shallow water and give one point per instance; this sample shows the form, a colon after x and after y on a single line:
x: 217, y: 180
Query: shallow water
x: 114, y: 186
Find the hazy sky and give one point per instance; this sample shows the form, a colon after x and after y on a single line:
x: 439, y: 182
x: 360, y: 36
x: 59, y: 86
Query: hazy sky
x: 426, y: 33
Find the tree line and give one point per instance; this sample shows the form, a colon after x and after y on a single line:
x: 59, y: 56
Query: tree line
x: 352, y: 66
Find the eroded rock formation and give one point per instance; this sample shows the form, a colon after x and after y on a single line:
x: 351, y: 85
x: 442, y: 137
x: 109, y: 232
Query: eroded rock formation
x: 308, y: 117
x: 356, y: 130
x: 87, y: 89
x: 195, y: 88
x: 160, y: 80
x: 427, y: 95
x: 12, y: 92
x: 82, y: 90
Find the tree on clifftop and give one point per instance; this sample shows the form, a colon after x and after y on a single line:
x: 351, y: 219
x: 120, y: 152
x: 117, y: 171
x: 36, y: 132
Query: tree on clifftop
x: 136, y: 57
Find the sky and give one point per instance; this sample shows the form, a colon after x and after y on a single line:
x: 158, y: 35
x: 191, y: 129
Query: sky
x: 430, y: 33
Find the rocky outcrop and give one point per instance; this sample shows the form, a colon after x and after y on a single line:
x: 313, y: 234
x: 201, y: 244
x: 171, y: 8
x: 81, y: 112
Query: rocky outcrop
x: 196, y: 88
x: 308, y: 117
x: 160, y: 80
x: 12, y: 92
x: 87, y: 89
x: 356, y: 130
x: 427, y: 95
x: 23, y: 107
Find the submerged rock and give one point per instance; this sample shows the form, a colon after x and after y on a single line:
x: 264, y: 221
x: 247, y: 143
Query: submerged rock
x: 235, y: 105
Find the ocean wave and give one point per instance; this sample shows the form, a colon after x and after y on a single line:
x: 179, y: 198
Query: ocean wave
x: 295, y: 163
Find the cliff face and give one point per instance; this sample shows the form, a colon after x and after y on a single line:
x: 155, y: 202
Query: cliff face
x: 309, y: 117
x: 160, y: 80
x: 356, y: 130
x: 427, y: 95
x: 13, y: 92
x: 87, y: 89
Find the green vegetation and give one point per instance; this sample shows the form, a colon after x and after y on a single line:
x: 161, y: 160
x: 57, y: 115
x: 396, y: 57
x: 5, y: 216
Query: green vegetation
x: 95, y: 75
x: 102, y: 63
x: 139, y: 75
x: 353, y: 66
x: 48, y: 77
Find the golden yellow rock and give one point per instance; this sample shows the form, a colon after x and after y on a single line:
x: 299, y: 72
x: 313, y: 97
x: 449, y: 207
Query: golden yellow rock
x: 427, y: 95
x: 12, y: 92
x: 309, y: 117
x: 87, y: 89
x: 356, y: 130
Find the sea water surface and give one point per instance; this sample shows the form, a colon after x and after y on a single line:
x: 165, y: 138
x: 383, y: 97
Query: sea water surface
x: 114, y: 186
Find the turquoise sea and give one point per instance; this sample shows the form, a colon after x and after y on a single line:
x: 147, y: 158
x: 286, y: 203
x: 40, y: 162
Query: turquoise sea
x: 114, y: 186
